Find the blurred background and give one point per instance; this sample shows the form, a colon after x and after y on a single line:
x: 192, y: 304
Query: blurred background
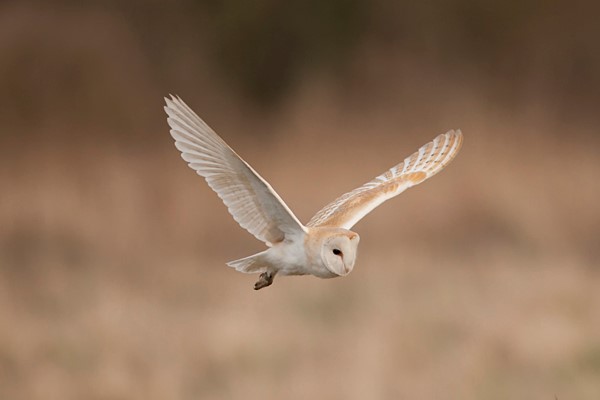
x: 482, y: 283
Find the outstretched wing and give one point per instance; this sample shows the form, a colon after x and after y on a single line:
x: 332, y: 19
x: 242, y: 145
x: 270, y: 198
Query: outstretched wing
x: 430, y: 159
x: 250, y: 199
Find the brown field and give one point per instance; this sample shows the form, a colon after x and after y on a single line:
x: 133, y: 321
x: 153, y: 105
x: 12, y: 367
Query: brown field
x: 483, y: 283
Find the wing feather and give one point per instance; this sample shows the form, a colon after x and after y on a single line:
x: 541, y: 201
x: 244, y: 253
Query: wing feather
x: 430, y: 159
x: 249, y: 198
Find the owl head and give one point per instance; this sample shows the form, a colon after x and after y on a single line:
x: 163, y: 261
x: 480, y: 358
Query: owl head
x: 338, y: 251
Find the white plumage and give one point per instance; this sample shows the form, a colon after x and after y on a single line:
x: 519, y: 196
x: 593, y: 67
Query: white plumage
x: 325, y: 247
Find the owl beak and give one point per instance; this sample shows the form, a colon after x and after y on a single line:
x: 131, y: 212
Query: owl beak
x: 350, y: 257
x: 344, y: 272
x: 348, y: 265
x: 347, y: 269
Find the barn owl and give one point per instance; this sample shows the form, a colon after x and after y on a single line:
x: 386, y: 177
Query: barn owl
x: 325, y: 247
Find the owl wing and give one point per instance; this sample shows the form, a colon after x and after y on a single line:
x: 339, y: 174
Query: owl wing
x: 430, y: 159
x: 250, y: 199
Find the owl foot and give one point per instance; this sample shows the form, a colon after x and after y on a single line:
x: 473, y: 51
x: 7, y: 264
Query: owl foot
x: 265, y: 279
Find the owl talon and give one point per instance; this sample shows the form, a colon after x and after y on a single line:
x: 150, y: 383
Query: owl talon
x: 265, y: 279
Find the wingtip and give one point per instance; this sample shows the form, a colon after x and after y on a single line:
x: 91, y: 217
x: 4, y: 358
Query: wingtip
x: 455, y: 132
x: 460, y: 138
x: 172, y: 98
x: 173, y: 103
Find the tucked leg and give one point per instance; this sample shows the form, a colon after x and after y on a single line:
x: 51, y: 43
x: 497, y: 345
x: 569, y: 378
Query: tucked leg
x: 265, y: 279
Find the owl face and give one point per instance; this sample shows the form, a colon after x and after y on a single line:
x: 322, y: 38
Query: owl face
x: 338, y: 252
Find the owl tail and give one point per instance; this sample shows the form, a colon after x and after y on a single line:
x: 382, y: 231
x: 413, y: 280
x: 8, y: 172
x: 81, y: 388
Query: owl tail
x: 252, y: 264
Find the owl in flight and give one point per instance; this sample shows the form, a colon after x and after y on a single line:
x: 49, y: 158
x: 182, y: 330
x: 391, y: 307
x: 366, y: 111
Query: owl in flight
x: 325, y: 247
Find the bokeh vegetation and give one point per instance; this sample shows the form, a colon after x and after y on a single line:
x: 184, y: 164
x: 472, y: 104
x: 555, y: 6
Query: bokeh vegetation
x: 481, y: 284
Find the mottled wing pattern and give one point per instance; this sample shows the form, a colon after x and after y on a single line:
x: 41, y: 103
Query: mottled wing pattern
x: 250, y: 199
x: 430, y: 159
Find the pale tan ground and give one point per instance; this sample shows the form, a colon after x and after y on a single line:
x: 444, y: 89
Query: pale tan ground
x: 479, y: 284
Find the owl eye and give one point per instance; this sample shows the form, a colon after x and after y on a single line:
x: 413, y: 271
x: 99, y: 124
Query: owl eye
x: 337, y: 252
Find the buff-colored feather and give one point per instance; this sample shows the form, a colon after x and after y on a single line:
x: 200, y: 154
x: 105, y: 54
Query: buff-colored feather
x: 430, y: 159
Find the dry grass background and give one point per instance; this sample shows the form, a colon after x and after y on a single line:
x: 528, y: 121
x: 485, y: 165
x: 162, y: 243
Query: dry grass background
x: 480, y: 284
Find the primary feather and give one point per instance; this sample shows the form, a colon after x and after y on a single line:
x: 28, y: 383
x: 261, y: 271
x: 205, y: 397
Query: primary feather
x: 250, y: 199
x: 351, y: 207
